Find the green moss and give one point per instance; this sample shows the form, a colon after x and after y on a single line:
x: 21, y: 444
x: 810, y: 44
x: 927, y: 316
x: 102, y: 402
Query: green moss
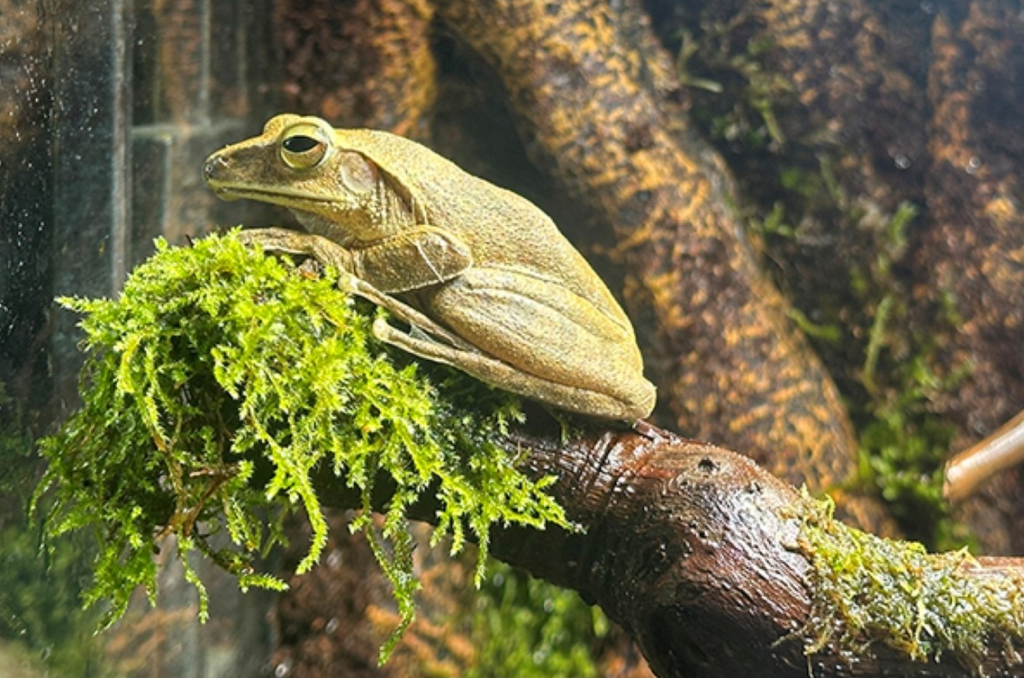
x: 869, y: 324
x: 217, y: 386
x: 40, y: 601
x: 830, y: 333
x: 15, y: 662
x: 872, y: 591
x: 902, y: 449
x: 688, y: 47
x: 16, y: 454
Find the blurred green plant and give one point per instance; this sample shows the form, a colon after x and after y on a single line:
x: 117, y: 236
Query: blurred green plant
x: 902, y: 442
x: 40, y: 609
x: 215, y: 389
x: 527, y: 628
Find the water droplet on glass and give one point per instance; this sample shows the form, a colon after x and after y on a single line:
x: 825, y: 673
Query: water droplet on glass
x: 332, y: 625
x: 902, y: 161
x: 282, y: 669
x: 973, y: 165
x: 928, y: 6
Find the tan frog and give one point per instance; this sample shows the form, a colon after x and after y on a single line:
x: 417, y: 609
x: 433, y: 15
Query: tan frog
x: 483, y: 277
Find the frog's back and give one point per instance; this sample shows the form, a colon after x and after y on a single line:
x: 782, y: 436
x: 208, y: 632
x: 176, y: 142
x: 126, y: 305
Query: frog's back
x: 503, y: 229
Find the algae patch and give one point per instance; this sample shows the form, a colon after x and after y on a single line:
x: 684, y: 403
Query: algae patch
x: 220, y: 382
x: 871, y: 591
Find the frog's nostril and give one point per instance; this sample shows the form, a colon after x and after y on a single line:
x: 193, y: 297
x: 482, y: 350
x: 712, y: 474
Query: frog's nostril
x: 213, y: 165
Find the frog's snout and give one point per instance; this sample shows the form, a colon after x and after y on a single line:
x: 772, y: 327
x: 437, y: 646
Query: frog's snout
x: 214, y: 166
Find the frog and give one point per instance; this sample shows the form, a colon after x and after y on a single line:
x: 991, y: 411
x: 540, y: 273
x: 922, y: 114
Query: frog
x: 472, y: 275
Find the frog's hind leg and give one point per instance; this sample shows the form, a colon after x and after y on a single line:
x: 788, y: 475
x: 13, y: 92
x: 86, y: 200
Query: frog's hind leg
x: 408, y: 315
x: 493, y: 371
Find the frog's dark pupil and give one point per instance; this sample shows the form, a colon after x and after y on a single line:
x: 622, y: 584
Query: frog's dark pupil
x: 299, y: 144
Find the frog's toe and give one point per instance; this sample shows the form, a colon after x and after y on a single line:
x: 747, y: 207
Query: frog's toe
x: 270, y: 239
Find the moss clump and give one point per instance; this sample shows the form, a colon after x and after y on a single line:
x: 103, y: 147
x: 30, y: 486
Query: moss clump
x: 870, y: 590
x: 902, y: 449
x: 220, y: 382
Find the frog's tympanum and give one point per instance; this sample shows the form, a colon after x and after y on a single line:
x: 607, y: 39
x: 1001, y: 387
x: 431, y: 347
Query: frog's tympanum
x: 482, y: 277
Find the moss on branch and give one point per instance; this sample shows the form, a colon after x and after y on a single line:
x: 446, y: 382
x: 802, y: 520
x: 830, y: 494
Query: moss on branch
x: 216, y: 386
x: 925, y: 606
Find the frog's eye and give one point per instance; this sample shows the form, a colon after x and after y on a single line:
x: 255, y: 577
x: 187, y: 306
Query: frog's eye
x: 304, y: 146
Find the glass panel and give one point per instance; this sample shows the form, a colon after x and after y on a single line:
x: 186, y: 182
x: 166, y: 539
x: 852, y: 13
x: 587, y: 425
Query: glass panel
x: 107, y: 109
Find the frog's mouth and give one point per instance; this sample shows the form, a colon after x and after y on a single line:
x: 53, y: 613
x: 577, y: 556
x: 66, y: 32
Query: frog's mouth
x: 226, y: 184
x: 289, y: 197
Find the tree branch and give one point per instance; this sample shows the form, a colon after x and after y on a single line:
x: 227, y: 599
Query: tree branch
x: 704, y: 558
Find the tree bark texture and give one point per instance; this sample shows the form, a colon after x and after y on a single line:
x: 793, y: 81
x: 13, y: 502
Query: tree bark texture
x: 368, y: 60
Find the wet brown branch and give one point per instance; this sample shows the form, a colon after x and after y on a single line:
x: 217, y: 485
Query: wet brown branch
x: 698, y: 553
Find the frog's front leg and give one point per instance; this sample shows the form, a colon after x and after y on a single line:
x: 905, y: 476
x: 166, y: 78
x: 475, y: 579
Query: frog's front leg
x: 409, y: 260
x: 326, y: 252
